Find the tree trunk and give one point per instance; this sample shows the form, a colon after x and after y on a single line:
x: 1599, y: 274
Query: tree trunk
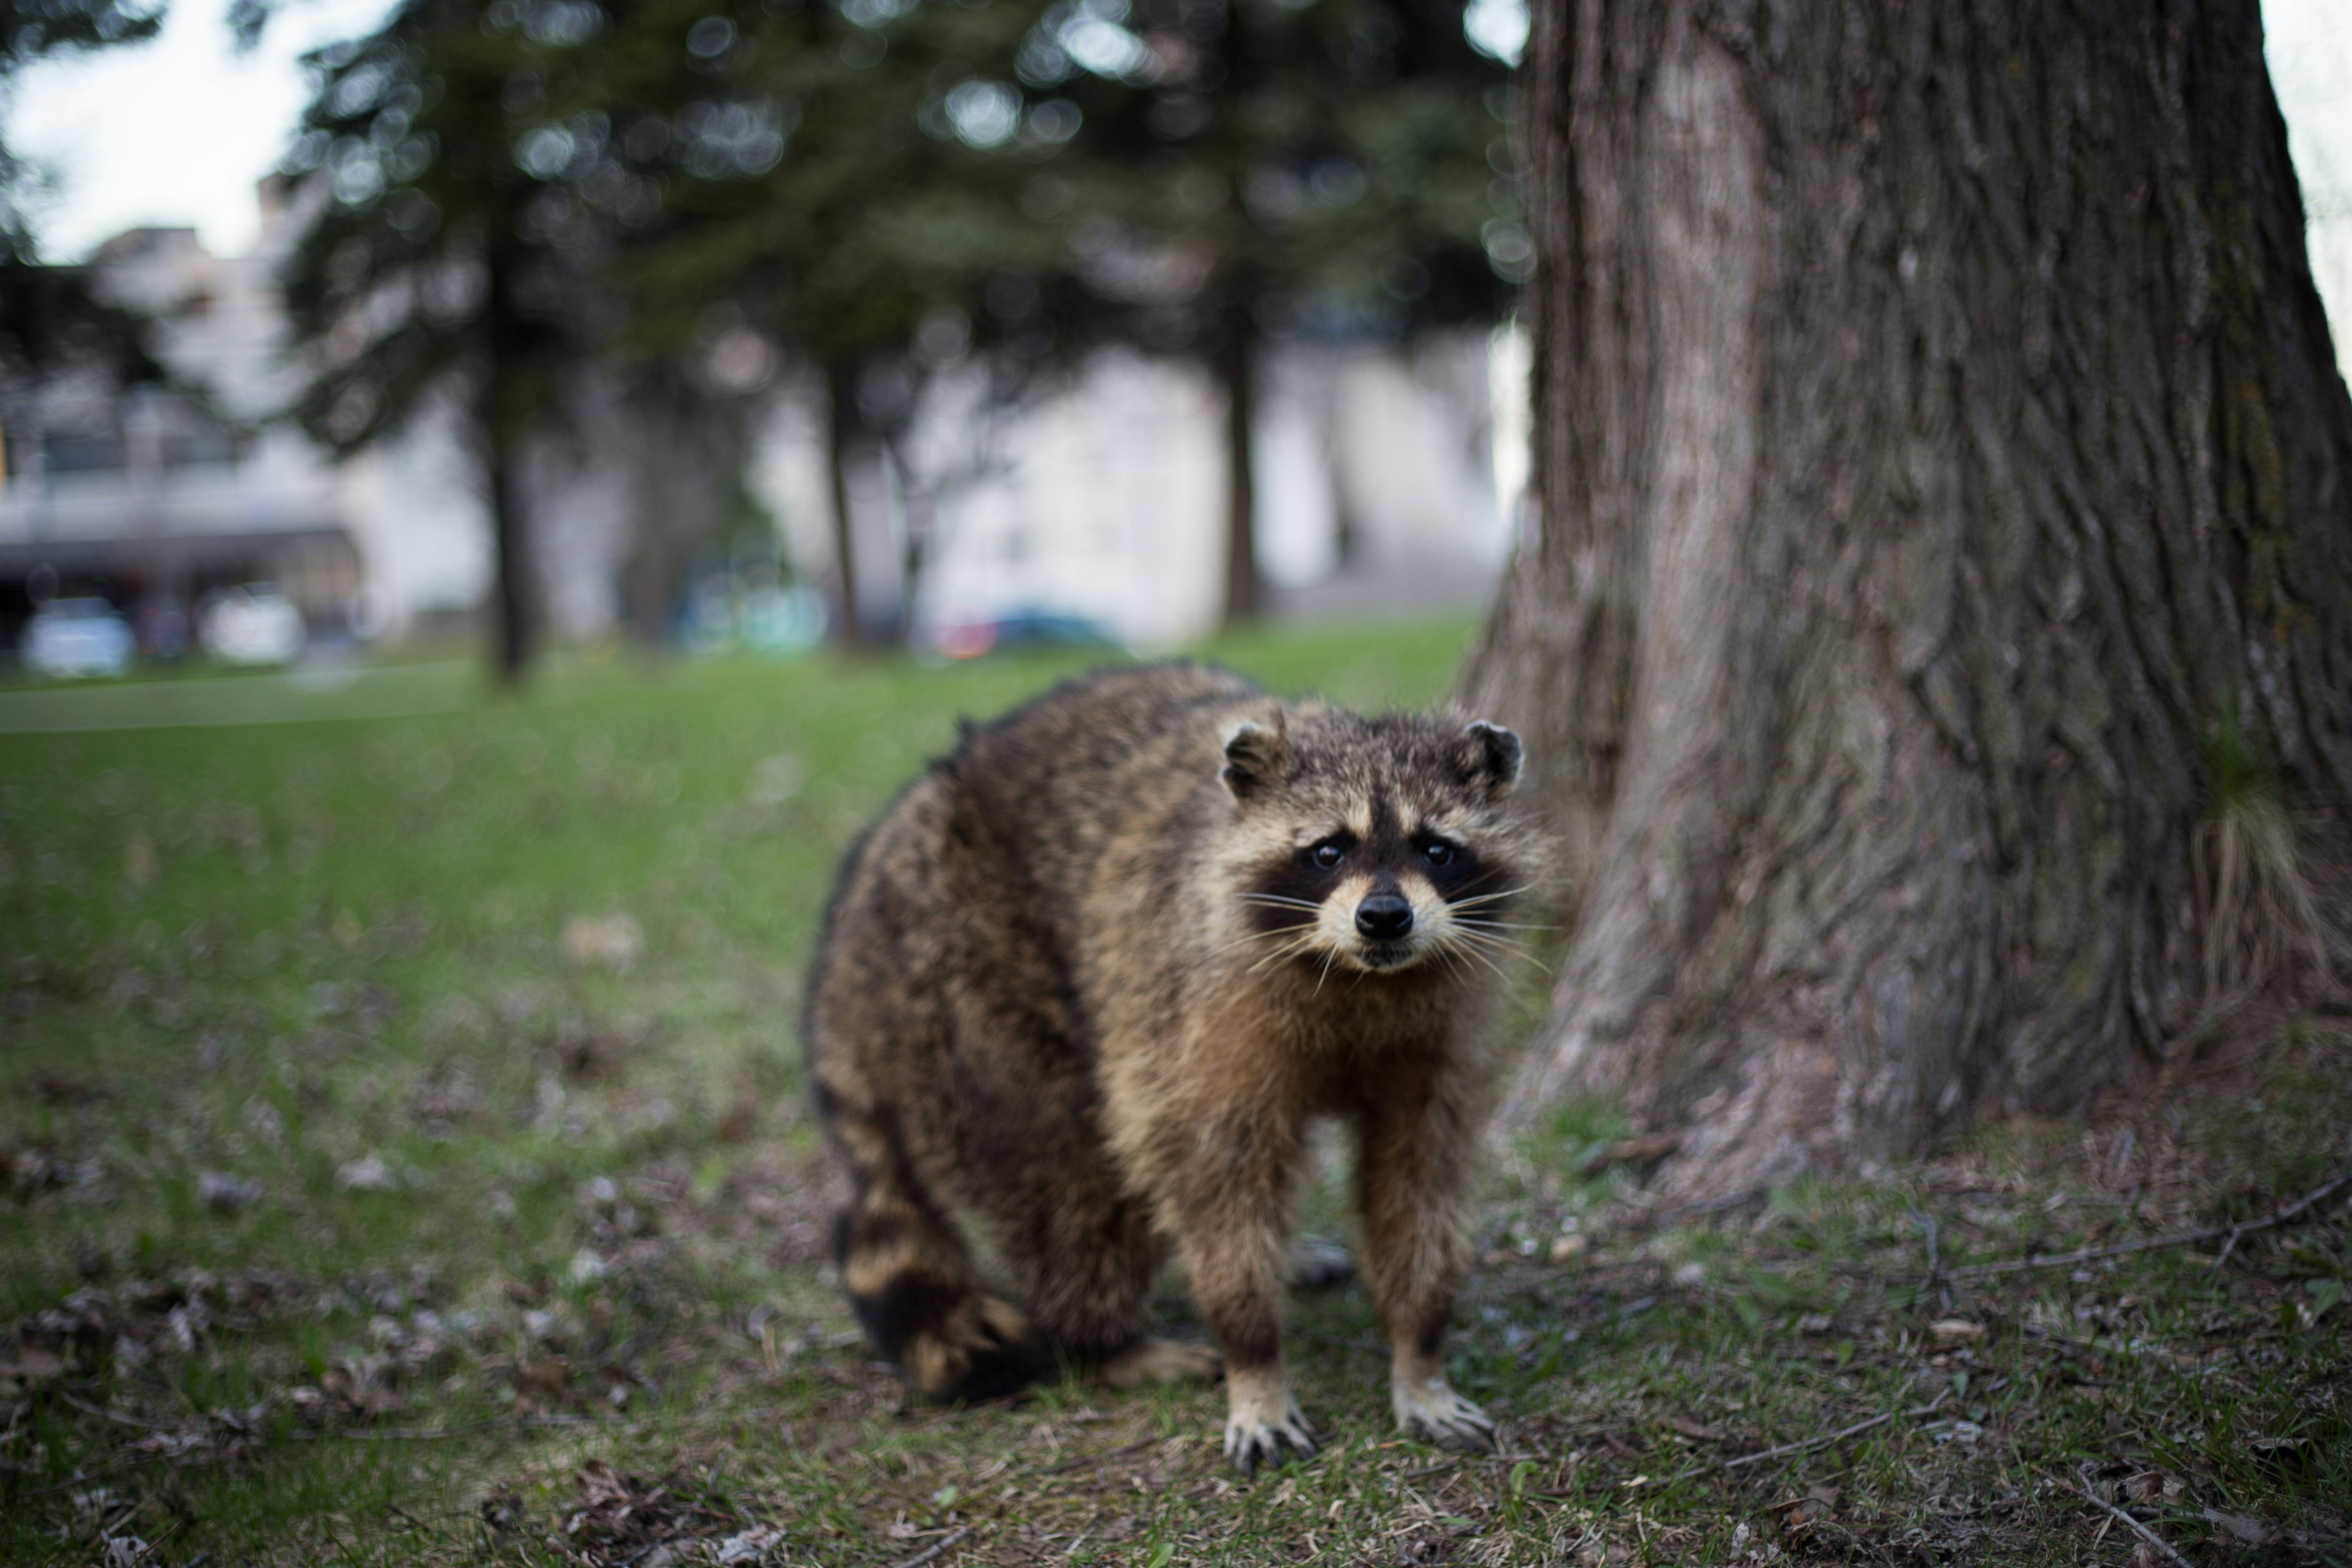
x: 1232, y: 362
x: 514, y: 645
x: 840, y: 403
x: 502, y: 427
x: 671, y: 502
x: 1941, y: 452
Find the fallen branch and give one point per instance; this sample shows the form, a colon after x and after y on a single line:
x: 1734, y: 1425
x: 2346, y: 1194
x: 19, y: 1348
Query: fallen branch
x: 2143, y: 1532
x: 2155, y: 1243
x: 936, y: 1547
x: 1824, y: 1441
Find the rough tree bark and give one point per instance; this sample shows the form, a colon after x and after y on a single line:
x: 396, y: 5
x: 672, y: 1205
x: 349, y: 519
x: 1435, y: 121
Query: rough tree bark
x: 1939, y: 438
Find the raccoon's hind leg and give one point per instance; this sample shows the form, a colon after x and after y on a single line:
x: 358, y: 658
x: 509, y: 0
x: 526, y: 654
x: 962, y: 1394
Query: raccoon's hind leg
x: 1087, y: 1260
x: 911, y: 1280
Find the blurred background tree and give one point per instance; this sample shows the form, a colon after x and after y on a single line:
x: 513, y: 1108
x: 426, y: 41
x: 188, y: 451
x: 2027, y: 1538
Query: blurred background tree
x: 827, y: 193
x: 48, y: 316
x: 678, y: 193
x: 444, y: 261
x: 1241, y: 169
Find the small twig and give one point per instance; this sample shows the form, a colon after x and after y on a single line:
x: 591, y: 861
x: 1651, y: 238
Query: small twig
x: 1934, y: 1259
x: 1459, y: 1461
x: 116, y: 1415
x: 1083, y: 1460
x: 935, y: 1548
x: 1824, y: 1441
x: 2143, y: 1532
x: 434, y: 1434
x: 2177, y: 1239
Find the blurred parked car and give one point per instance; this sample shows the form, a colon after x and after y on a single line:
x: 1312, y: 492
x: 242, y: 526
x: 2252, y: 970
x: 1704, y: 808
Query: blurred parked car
x: 1017, y: 630
x: 723, y: 614
x: 252, y: 626
x: 69, y: 638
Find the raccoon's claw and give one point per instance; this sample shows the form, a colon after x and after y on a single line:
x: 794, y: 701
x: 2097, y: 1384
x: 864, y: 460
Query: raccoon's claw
x: 1251, y: 1442
x: 1436, y: 1412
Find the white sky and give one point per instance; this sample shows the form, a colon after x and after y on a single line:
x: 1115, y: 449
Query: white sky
x: 176, y: 132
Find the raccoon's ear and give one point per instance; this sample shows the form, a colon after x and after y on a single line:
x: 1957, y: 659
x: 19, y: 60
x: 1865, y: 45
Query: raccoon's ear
x: 1254, y: 755
x: 1488, y: 756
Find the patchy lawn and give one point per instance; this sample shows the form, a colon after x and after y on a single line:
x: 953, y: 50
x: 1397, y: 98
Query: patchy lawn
x: 404, y: 1161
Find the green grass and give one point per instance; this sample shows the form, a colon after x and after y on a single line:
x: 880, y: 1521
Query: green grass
x: 530, y: 1267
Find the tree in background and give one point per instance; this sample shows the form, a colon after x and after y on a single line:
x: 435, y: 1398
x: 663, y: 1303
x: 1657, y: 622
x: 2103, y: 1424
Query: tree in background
x: 1033, y: 180
x: 827, y: 183
x: 48, y: 316
x: 1944, y: 585
x: 519, y: 183
x: 1239, y: 168
x: 446, y: 259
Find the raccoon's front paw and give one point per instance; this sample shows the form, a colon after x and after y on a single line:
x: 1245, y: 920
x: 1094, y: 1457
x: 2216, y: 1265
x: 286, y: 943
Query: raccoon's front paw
x: 1260, y: 1423
x: 1429, y: 1409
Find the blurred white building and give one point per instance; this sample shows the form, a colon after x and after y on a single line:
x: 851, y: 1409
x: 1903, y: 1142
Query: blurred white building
x: 151, y: 497
x: 1384, y: 479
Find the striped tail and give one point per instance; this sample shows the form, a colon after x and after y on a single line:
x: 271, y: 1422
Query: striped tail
x: 911, y: 1280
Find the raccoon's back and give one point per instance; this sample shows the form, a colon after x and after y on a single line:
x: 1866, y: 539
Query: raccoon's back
x: 1043, y: 790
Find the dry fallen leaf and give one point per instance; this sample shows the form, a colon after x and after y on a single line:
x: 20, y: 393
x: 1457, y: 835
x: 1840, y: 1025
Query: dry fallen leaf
x: 612, y: 941
x: 31, y: 1366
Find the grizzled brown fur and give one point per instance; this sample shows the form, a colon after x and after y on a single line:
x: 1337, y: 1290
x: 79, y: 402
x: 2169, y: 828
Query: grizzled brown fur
x: 1089, y: 979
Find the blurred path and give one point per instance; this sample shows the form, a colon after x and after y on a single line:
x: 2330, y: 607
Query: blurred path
x: 284, y: 698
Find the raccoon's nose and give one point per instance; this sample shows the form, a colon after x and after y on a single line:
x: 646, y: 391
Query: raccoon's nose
x: 1384, y: 917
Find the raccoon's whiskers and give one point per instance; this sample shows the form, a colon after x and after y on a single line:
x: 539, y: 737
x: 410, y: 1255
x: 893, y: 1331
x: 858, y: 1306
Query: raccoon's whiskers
x: 1476, y: 899
x: 1304, y: 941
x: 1280, y: 902
x: 1477, y: 925
x: 1471, y: 945
x: 1509, y: 948
x: 1490, y: 943
x: 1247, y: 937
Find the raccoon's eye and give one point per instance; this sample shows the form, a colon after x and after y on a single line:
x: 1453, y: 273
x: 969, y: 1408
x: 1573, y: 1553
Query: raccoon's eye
x: 1438, y: 852
x: 1326, y: 854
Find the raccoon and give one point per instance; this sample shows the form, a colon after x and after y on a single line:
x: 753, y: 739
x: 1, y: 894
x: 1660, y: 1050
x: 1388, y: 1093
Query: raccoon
x: 1089, y: 979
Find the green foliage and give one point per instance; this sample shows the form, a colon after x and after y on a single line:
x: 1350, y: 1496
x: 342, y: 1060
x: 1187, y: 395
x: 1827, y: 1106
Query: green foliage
x: 1338, y: 167
x: 2260, y: 911
x: 427, y: 257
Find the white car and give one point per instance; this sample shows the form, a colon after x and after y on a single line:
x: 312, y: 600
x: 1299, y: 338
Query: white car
x: 67, y: 638
x: 251, y: 625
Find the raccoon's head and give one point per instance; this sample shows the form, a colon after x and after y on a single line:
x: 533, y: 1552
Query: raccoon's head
x: 1379, y: 845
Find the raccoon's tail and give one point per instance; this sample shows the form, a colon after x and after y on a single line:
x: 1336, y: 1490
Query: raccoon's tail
x: 911, y: 1279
